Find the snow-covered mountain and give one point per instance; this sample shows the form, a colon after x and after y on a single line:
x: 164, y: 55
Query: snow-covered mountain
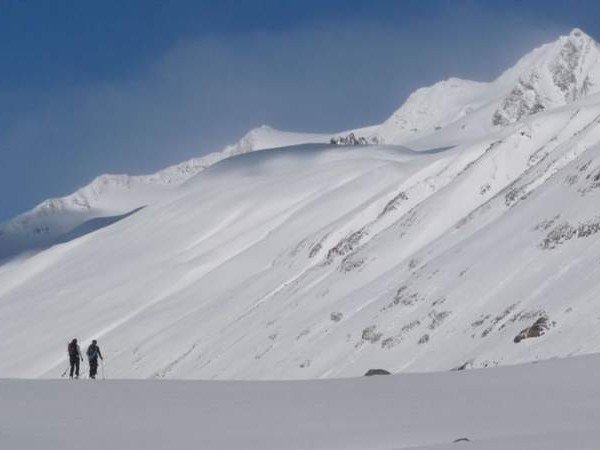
x: 466, y: 234
x: 113, y: 197
x: 553, y: 75
x: 446, y: 113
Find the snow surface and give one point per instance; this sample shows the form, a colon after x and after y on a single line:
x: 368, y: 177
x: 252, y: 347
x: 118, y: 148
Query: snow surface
x: 551, y: 405
x: 317, y: 260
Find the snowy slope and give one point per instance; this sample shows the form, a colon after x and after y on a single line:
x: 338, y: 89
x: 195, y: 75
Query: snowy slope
x: 321, y: 260
x: 317, y: 261
x: 450, y: 112
x: 116, y: 195
x: 549, y: 405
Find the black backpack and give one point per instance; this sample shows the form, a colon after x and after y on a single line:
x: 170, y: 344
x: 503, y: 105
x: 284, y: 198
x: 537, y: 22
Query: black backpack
x: 92, y: 352
x: 73, y: 350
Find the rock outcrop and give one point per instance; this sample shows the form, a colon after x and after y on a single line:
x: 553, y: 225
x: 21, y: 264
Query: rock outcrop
x: 538, y: 329
x: 372, y: 372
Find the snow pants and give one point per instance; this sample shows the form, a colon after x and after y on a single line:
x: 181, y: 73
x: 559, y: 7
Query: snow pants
x: 74, y: 361
x: 93, y: 367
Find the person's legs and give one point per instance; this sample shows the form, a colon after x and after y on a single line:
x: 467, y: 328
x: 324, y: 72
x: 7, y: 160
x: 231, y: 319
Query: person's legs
x: 77, y: 367
x: 72, y: 363
x: 93, y: 368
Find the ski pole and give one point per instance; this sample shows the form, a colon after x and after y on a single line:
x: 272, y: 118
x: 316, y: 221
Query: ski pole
x: 102, y: 364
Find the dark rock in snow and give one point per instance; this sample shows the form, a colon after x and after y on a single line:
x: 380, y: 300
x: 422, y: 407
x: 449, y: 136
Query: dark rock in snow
x: 372, y: 372
x: 336, y: 316
x: 353, y: 139
x: 371, y: 335
x: 466, y: 365
x: 536, y: 330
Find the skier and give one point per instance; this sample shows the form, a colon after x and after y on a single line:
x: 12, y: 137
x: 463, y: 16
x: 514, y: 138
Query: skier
x: 74, y: 357
x: 93, y: 352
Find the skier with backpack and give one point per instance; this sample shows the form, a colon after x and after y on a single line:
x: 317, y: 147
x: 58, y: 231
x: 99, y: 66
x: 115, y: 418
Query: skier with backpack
x: 74, y: 357
x: 93, y: 353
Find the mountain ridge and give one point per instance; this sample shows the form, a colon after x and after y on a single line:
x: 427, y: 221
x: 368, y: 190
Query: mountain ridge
x: 571, y: 64
x: 321, y: 260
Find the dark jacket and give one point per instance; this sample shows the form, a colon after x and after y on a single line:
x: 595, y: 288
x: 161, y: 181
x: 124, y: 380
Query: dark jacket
x: 93, y: 352
x: 74, y: 351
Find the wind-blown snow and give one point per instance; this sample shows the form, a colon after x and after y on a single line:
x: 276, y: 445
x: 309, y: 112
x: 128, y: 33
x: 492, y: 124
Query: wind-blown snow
x: 321, y: 260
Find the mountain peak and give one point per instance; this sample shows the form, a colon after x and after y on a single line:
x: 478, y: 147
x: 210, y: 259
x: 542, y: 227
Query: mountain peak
x: 552, y: 75
x: 577, y: 33
x: 575, y: 44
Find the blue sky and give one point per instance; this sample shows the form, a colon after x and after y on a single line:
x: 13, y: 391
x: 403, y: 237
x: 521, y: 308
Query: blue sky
x: 133, y: 86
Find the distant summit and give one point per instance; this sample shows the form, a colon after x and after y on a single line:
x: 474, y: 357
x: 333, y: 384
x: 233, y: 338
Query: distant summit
x: 553, y: 75
x: 550, y: 76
